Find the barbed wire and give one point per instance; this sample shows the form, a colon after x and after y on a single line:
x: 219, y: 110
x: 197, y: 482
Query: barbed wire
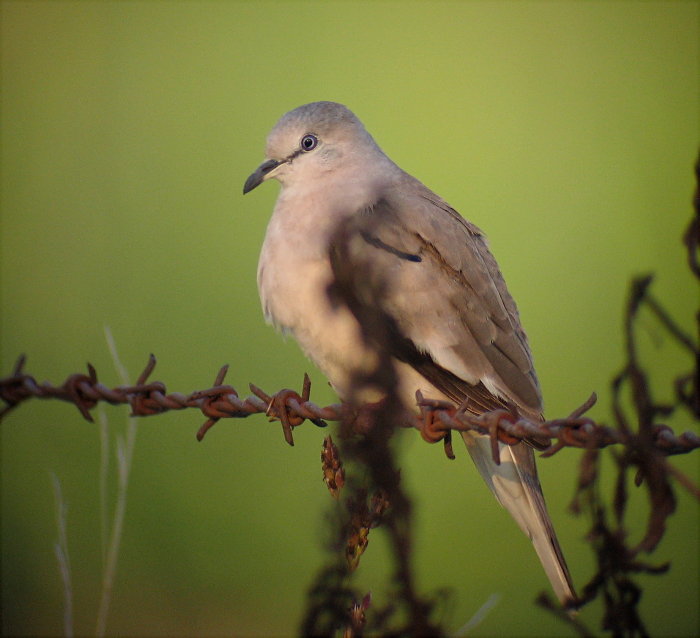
x: 436, y: 420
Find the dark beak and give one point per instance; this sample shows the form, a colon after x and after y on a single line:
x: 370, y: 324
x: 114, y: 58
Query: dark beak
x: 259, y: 175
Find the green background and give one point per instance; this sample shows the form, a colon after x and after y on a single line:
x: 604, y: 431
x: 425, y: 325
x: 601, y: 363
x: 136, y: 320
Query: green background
x: 566, y: 130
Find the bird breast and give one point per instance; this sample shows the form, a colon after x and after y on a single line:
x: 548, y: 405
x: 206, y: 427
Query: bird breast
x: 294, y: 275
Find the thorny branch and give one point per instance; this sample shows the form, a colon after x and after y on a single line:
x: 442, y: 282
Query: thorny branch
x: 618, y: 560
x: 366, y: 441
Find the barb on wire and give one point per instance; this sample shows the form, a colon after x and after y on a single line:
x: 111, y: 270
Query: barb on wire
x: 435, y: 422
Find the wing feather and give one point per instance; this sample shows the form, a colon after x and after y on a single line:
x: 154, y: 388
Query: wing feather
x: 430, y: 273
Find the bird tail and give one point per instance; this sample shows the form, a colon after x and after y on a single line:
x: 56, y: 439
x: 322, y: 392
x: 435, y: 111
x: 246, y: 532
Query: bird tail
x: 515, y: 484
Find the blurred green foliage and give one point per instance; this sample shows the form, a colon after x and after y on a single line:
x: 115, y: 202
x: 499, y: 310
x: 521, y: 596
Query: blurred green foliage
x: 566, y: 130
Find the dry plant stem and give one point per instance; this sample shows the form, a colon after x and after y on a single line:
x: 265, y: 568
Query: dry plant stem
x: 371, y: 447
x: 61, y: 551
x: 375, y: 454
x: 125, y: 451
x: 478, y: 616
x: 104, y: 473
x: 682, y: 480
x: 640, y: 432
x: 617, y: 561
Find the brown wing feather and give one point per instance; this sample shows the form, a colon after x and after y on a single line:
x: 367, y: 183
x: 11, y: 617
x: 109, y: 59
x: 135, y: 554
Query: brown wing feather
x: 458, y: 325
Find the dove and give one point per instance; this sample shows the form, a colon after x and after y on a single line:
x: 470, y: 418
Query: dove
x: 452, y: 330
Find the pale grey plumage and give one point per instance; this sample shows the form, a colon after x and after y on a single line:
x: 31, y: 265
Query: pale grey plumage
x: 453, y: 328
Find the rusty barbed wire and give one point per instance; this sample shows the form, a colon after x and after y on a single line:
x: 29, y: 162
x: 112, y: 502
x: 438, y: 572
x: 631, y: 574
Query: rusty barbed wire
x: 435, y: 422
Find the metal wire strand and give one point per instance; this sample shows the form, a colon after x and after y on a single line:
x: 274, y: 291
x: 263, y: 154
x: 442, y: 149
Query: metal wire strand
x: 435, y: 420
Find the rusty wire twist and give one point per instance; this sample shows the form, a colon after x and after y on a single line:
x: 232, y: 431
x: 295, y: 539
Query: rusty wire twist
x: 436, y: 421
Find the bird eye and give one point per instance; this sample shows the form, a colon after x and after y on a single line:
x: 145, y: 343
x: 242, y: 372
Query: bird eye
x: 309, y: 142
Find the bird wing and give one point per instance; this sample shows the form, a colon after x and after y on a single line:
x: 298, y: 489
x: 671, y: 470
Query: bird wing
x: 412, y: 266
x: 429, y: 273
